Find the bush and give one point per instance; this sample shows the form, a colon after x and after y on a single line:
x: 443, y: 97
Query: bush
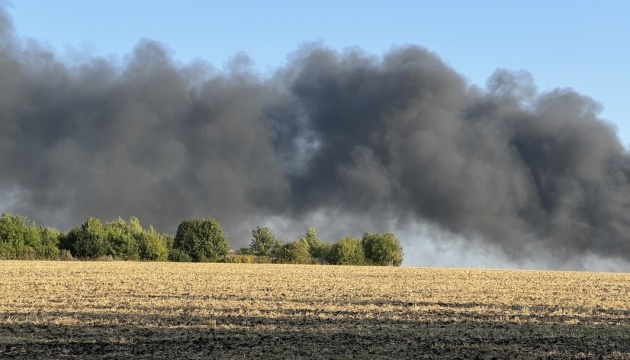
x: 292, y: 253
x: 382, y: 249
x: 348, y: 251
x: 65, y: 255
x: 244, y: 251
x: 178, y: 255
x: 201, y: 239
x: 241, y: 259
x: 262, y: 259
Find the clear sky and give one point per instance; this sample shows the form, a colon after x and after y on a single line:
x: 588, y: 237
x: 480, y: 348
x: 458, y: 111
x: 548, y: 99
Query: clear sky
x: 580, y: 44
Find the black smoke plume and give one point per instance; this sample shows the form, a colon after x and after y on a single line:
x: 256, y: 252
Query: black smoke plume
x: 393, y: 139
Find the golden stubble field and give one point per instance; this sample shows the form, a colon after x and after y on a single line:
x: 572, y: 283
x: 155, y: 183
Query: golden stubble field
x: 91, y: 310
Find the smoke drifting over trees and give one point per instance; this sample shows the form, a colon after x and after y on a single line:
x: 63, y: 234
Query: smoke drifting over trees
x: 398, y: 137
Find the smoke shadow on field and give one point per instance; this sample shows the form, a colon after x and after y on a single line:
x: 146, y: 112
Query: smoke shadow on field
x: 300, y: 333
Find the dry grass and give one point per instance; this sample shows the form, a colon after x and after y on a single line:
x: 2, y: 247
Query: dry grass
x: 167, y: 310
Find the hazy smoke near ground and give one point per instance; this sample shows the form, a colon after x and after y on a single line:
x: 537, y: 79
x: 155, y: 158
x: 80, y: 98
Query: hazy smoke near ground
x: 392, y: 140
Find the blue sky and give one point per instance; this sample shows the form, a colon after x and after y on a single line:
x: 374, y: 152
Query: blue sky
x: 584, y: 45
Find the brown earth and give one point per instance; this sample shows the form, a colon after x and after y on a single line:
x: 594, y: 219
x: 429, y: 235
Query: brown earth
x: 107, y: 310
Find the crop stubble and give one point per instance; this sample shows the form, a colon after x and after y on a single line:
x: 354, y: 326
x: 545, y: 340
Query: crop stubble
x: 87, y: 310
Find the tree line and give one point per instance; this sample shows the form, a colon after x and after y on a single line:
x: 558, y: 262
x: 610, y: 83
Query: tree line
x: 196, y: 240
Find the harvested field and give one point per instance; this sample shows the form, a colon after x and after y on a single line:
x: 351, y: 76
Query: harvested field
x: 88, y: 310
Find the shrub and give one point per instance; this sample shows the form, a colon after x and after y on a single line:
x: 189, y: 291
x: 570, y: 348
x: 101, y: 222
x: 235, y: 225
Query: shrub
x: 262, y: 259
x: 65, y: 255
x: 347, y: 251
x: 382, y: 249
x: 241, y: 259
x: 244, y: 251
x: 292, y: 253
x: 178, y: 255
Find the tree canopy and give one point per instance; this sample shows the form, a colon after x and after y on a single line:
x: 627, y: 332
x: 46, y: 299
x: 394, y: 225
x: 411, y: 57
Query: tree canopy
x: 295, y: 252
x: 318, y: 249
x: 382, y: 249
x: 201, y: 239
x: 263, y: 241
x: 21, y: 239
x: 347, y: 251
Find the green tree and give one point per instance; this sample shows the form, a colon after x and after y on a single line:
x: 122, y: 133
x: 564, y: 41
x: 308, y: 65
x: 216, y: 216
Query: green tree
x: 382, y: 249
x: 311, y: 237
x: 292, y: 253
x: 317, y: 248
x: 19, y: 238
x: 122, y: 238
x: 152, y: 245
x: 49, y: 244
x: 201, y: 239
x: 347, y: 251
x: 263, y: 241
x: 89, y: 241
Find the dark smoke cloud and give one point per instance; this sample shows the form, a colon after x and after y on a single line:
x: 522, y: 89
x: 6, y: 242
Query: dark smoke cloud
x: 398, y: 139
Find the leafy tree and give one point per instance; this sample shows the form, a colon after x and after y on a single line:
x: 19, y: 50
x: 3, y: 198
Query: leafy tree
x: 292, y: 253
x: 18, y: 237
x: 21, y: 239
x: 347, y: 251
x: 169, y: 239
x: 263, y: 241
x: 122, y: 238
x: 201, y: 239
x: 49, y: 243
x: 152, y: 245
x: 317, y: 248
x: 382, y: 249
x: 89, y: 241
x: 311, y: 237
